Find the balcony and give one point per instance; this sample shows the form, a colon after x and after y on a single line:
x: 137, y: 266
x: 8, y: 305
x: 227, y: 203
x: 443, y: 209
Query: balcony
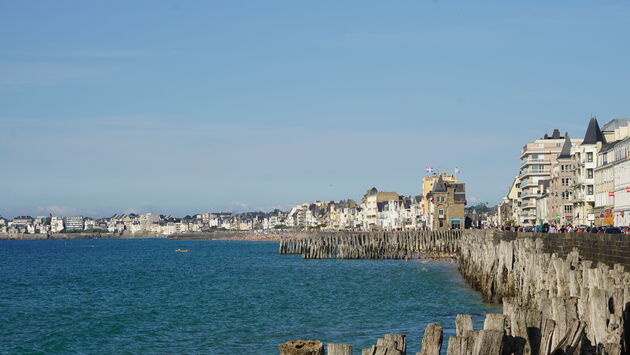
x: 528, y: 206
x: 529, y: 172
x: 535, y: 161
x: 539, y: 150
x: 528, y: 183
x: 529, y: 195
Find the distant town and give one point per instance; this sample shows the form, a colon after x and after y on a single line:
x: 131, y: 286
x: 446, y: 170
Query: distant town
x: 562, y: 181
x: 441, y: 207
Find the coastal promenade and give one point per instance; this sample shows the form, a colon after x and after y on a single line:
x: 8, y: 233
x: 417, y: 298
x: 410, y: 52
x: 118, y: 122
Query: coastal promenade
x: 561, y: 293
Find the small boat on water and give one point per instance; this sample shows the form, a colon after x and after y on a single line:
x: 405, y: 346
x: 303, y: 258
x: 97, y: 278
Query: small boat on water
x: 181, y: 250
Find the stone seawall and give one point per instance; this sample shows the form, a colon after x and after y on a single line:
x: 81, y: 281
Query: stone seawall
x: 555, y: 300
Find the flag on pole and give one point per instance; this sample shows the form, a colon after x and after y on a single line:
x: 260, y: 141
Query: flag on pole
x: 428, y: 169
x: 611, y: 193
x: 456, y: 170
x: 628, y: 189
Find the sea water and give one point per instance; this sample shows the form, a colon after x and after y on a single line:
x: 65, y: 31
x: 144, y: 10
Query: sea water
x: 111, y: 296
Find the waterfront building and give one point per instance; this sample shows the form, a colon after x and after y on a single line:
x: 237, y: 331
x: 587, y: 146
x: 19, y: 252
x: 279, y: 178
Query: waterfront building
x: 73, y: 223
x: 56, y: 224
x: 509, y: 209
x: 146, y: 220
x: 413, y: 216
x: 610, y: 192
x: 348, y: 214
x: 370, y: 206
x: 559, y: 202
x: 22, y: 221
x: 427, y: 186
x: 389, y: 214
x: 616, y: 129
x: 90, y: 223
x: 605, y: 186
x: 537, y: 158
x: 622, y: 190
x: 310, y: 214
x: 116, y: 226
x: 584, y: 160
x: 446, y: 207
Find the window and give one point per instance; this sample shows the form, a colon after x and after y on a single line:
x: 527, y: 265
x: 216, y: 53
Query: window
x: 441, y: 223
x: 441, y: 212
x: 589, y: 173
x: 538, y: 168
x: 566, y: 195
x: 566, y: 181
x: 589, y: 157
x: 589, y: 189
x: 565, y: 168
x: 568, y: 209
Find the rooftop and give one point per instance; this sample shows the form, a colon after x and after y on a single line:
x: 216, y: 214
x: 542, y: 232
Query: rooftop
x: 593, y: 133
x: 611, y: 125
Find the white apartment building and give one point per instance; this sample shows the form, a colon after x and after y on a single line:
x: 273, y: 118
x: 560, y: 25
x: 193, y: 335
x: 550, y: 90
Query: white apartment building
x: 56, y: 224
x: 537, y: 158
x: 73, y: 223
x: 369, y: 206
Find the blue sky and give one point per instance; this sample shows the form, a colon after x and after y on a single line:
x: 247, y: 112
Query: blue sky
x: 193, y: 106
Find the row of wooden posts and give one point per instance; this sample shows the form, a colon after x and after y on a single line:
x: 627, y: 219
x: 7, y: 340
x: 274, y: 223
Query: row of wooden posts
x: 373, y: 245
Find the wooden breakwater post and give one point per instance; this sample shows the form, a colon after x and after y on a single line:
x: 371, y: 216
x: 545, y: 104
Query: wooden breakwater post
x: 339, y: 349
x: 302, y: 347
x: 390, y: 344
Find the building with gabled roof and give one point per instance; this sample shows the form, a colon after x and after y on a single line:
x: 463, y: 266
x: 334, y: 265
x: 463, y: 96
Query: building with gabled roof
x: 446, y: 205
x: 585, y: 161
